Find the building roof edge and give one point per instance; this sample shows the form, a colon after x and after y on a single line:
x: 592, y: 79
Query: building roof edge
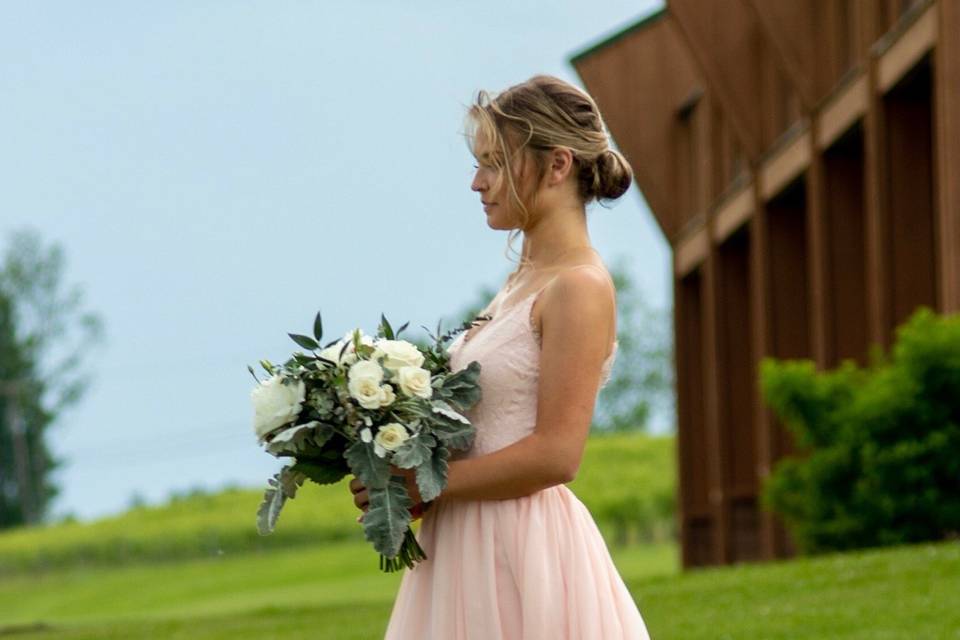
x: 616, y: 34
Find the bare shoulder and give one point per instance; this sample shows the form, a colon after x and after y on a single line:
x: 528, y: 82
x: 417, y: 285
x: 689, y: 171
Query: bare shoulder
x: 585, y: 291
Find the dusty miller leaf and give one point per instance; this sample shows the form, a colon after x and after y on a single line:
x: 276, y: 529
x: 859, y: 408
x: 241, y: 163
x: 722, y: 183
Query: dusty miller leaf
x: 388, y: 518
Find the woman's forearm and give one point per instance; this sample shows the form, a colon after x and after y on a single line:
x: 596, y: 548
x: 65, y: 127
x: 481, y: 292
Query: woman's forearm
x: 517, y: 470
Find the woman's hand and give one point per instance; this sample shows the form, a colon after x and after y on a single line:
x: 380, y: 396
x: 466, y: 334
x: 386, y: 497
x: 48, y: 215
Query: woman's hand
x: 410, y: 478
x: 361, y: 497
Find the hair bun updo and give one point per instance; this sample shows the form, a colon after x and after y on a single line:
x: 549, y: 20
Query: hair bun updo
x: 613, y: 175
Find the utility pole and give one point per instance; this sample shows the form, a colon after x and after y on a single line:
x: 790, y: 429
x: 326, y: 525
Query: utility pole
x: 21, y: 453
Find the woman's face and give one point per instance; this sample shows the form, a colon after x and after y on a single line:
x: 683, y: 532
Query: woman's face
x: 498, y: 205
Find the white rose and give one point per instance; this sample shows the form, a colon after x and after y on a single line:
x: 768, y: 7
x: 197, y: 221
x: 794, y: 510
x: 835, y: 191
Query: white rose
x: 332, y: 353
x: 349, y: 355
x: 415, y: 381
x: 387, y: 396
x: 389, y: 437
x: 397, y: 354
x: 365, y: 377
x: 275, y: 404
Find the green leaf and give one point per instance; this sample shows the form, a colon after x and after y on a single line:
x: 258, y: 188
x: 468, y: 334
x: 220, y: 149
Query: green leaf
x: 322, y: 434
x: 415, y: 451
x: 320, y: 473
x: 291, y: 440
x: 269, y: 509
x: 453, y: 433
x: 385, y: 326
x: 318, y: 328
x: 462, y: 388
x: 432, y: 475
x: 282, y: 485
x: 290, y: 479
x: 253, y: 373
x: 304, y: 341
x: 372, y: 470
x: 388, y: 518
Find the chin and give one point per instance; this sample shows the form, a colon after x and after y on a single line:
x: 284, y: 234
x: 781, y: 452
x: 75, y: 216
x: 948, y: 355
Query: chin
x: 493, y: 223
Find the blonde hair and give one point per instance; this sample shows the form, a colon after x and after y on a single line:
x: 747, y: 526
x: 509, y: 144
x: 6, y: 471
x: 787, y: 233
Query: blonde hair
x: 529, y: 119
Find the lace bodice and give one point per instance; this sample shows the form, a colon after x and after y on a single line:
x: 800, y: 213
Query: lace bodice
x: 508, y: 349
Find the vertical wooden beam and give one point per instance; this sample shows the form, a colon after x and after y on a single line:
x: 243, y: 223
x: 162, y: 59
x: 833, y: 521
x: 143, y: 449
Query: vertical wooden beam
x: 711, y: 385
x: 682, y: 447
x: 817, y: 257
x: 875, y: 218
x: 792, y: 36
x: 760, y: 347
x: 722, y: 38
x: 946, y: 69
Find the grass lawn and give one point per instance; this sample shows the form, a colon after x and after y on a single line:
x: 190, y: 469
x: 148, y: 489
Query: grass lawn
x: 336, y: 592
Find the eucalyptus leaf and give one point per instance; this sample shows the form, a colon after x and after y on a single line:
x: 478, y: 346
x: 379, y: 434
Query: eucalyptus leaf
x: 372, y: 470
x: 388, y: 518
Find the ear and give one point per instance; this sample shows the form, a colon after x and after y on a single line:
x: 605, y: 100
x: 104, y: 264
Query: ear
x: 561, y: 164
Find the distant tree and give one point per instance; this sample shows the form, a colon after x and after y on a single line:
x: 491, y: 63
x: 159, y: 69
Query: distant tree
x: 44, y: 334
x: 136, y: 500
x: 641, y: 381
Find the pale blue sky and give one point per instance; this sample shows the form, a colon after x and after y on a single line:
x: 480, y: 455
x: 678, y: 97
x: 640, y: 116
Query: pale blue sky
x: 217, y: 172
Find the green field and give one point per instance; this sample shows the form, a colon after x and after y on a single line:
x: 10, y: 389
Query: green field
x: 191, y: 569
x: 336, y: 592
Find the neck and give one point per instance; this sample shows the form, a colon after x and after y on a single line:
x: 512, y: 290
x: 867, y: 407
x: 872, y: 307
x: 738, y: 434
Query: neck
x: 554, y: 235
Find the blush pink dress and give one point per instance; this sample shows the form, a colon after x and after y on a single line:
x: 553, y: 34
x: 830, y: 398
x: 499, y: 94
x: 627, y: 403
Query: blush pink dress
x: 529, y: 568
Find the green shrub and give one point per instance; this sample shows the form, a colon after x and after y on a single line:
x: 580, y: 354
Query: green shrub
x: 879, y: 447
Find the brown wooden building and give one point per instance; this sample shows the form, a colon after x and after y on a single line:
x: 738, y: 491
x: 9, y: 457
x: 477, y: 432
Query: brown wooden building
x: 803, y: 160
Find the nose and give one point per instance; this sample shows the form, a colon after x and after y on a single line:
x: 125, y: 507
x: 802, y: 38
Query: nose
x: 477, y: 184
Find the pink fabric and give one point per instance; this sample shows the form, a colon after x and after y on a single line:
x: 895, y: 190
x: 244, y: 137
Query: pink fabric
x: 530, y: 568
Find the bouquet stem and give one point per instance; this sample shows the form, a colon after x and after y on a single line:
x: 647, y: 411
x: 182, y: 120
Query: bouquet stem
x: 409, y: 555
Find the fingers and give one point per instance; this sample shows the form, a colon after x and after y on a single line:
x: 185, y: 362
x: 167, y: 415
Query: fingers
x: 361, y: 498
x: 416, y: 511
x: 356, y: 485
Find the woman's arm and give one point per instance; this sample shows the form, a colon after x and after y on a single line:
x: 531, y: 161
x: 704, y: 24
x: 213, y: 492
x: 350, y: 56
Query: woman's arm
x: 578, y: 326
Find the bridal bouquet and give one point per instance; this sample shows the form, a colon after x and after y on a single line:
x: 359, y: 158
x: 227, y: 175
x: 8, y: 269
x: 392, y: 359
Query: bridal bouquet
x: 365, y: 406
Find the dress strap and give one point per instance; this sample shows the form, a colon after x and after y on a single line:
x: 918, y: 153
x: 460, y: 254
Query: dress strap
x: 532, y: 299
x: 536, y: 294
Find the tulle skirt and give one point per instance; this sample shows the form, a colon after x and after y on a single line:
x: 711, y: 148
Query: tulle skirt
x: 530, y: 568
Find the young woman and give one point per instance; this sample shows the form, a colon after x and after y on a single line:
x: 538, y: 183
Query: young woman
x: 512, y: 553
